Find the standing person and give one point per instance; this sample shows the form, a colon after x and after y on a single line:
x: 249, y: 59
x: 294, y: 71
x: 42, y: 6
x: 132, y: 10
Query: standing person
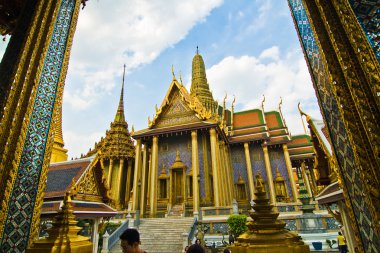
x: 342, y: 243
x: 196, y: 248
x: 185, y: 249
x: 130, y: 241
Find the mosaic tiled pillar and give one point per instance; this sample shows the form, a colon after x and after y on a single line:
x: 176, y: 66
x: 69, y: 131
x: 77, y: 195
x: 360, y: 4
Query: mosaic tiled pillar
x: 37, y: 91
x: 328, y: 68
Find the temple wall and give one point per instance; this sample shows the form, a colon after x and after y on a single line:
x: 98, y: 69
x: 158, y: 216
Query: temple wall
x: 277, y: 160
x: 238, y: 163
x: 167, y: 149
x: 257, y: 160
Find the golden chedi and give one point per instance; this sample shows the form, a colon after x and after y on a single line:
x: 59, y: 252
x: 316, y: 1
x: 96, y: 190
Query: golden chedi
x: 63, y: 236
x: 266, y: 233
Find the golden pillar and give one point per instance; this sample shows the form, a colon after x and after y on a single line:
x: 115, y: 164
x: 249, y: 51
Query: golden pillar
x: 214, y: 166
x: 153, y: 183
x: 306, y: 178
x: 128, y: 183
x: 118, y: 187
x: 195, y: 165
x: 249, y: 171
x: 221, y: 183
x: 230, y: 174
x: 290, y: 172
x: 143, y: 182
x: 268, y: 169
x: 136, y: 174
x: 109, y: 176
x: 206, y: 169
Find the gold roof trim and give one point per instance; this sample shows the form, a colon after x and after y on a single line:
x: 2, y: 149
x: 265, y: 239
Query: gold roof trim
x: 193, y: 103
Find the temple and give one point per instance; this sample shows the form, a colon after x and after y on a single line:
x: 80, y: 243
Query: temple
x: 195, y: 156
x: 200, y: 154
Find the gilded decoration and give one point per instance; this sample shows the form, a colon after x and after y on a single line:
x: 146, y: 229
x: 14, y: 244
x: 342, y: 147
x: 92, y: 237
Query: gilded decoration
x: 25, y: 185
x: 178, y: 102
x: 344, y: 90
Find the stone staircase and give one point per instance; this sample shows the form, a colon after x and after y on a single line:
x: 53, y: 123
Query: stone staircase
x: 161, y: 235
x: 176, y: 211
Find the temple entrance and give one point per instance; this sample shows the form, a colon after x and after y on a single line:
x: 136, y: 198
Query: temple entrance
x: 177, y: 187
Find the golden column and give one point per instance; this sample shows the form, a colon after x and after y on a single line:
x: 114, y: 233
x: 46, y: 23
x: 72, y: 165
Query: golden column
x: 109, y: 176
x: 128, y: 183
x: 206, y: 169
x: 221, y: 183
x: 136, y: 174
x: 153, y: 180
x: 118, y: 187
x: 143, y: 182
x: 195, y: 165
x: 230, y: 175
x: 306, y: 178
x: 249, y: 171
x: 268, y: 169
x: 290, y: 172
x: 214, y: 166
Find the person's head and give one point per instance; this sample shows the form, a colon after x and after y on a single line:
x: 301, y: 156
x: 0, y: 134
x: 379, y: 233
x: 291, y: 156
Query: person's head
x: 339, y: 233
x: 186, y: 248
x: 198, y: 241
x: 196, y: 248
x: 226, y: 251
x: 130, y: 241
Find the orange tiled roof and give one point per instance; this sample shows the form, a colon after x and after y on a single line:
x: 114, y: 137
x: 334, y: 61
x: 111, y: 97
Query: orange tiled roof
x: 300, y: 147
x: 249, y: 118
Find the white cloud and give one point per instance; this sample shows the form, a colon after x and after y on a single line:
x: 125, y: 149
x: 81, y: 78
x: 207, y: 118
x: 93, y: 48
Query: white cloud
x: 133, y: 32
x: 79, y: 142
x: 270, y: 74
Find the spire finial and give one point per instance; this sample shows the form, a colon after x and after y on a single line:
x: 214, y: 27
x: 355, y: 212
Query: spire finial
x: 197, y: 50
x: 302, y: 114
x: 262, y: 102
x: 180, y: 77
x: 279, y: 108
x: 120, y: 110
x: 173, y: 72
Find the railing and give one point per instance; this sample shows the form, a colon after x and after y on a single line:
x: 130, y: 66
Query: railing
x: 192, y: 230
x: 112, y: 240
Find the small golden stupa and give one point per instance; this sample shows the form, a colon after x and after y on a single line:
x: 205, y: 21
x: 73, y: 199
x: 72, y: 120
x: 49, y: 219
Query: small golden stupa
x: 63, y: 236
x: 267, y: 234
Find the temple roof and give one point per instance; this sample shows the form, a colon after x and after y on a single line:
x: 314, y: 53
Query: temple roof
x: 252, y: 125
x: 81, y: 209
x: 82, y: 177
x: 62, y: 176
x: 320, y: 130
x: 300, y: 147
x: 331, y: 194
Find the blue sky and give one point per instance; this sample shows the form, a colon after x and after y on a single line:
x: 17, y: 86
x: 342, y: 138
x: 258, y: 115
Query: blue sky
x: 250, y: 48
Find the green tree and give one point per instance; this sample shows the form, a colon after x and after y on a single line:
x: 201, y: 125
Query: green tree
x: 236, y: 222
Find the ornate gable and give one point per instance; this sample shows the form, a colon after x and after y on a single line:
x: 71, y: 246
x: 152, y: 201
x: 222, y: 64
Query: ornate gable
x: 179, y: 108
x: 90, y: 186
x: 176, y: 113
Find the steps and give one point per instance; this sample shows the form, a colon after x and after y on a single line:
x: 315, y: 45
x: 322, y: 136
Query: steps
x: 161, y: 235
x: 176, y: 211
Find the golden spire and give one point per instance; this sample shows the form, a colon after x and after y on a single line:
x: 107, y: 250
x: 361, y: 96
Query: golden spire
x: 119, y: 117
x: 59, y: 153
x: 118, y: 143
x: 199, y: 85
x: 279, y: 108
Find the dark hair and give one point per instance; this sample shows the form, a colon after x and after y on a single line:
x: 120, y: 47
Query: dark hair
x: 339, y: 233
x: 195, y: 248
x: 226, y: 251
x: 130, y: 235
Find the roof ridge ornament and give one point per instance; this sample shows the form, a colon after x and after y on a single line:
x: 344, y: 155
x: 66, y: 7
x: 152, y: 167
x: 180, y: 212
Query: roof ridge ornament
x: 302, y: 114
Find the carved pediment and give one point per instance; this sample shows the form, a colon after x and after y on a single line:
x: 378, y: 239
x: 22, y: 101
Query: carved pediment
x: 87, y: 187
x: 176, y: 113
